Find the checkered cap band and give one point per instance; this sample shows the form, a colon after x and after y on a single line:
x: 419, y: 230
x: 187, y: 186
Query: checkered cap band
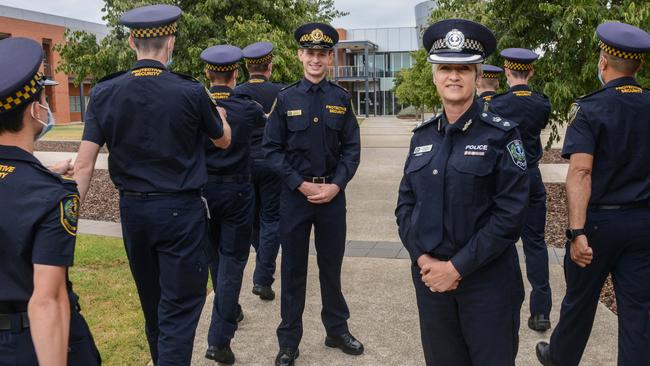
x: 308, y: 38
x: 23, y: 95
x: 518, y: 66
x: 469, y: 44
x: 223, y: 68
x: 618, y: 53
x: 155, y: 32
x: 261, y: 60
x: 490, y: 75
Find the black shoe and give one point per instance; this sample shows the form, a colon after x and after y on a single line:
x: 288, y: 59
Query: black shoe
x: 264, y: 292
x: 539, y: 322
x: 543, y: 351
x: 240, y: 314
x: 346, y: 342
x: 286, y: 357
x: 222, y: 355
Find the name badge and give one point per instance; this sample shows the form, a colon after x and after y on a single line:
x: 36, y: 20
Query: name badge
x: 294, y: 113
x: 422, y: 149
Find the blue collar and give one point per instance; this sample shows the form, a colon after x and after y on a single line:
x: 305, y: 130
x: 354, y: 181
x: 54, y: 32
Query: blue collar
x: 519, y: 88
x: 148, y: 63
x: 306, y: 84
x: 220, y: 89
x: 625, y: 80
x: 16, y: 153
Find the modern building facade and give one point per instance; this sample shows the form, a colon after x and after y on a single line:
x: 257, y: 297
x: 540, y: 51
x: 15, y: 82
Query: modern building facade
x: 49, y: 30
x: 367, y: 61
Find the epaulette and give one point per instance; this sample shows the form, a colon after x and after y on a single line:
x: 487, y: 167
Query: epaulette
x: 290, y: 85
x: 111, y: 76
x: 186, y: 77
x: 591, y: 94
x: 338, y: 86
x: 497, y: 121
x: 427, y: 122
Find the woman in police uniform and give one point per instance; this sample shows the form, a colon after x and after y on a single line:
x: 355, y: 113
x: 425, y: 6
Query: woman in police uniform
x: 460, y: 210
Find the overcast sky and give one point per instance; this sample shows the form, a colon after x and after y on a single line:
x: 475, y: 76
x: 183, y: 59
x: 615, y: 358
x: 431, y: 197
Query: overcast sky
x: 363, y: 13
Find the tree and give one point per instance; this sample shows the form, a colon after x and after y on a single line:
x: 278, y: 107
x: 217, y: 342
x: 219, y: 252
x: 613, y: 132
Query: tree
x: 562, y: 32
x: 414, y: 86
x: 204, y: 23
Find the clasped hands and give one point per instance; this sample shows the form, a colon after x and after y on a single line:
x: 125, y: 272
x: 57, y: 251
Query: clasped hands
x: 318, y: 193
x: 437, y: 275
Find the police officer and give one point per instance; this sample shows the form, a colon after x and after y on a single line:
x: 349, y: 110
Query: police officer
x: 531, y: 111
x: 230, y: 197
x: 265, y: 237
x: 40, y: 321
x: 312, y: 140
x: 152, y: 121
x: 608, y: 192
x: 487, y: 85
x: 461, y: 209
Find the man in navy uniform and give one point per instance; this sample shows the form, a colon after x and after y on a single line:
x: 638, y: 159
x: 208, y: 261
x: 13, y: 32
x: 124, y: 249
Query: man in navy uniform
x: 608, y: 193
x: 230, y: 197
x: 265, y: 237
x: 40, y: 323
x: 312, y: 140
x: 487, y: 85
x: 461, y: 209
x: 152, y: 121
x: 531, y: 111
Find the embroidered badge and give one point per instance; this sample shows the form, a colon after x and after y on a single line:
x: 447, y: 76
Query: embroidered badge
x: 146, y: 71
x: 220, y: 95
x: 5, y: 170
x: 294, y: 113
x: 335, y: 109
x: 573, y: 112
x: 629, y: 89
x: 523, y: 93
x: 256, y: 81
x: 69, y: 208
x: 422, y: 149
x: 516, y: 150
x: 475, y: 150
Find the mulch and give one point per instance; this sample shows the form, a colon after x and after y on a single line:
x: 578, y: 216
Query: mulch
x: 553, y: 156
x: 102, y: 201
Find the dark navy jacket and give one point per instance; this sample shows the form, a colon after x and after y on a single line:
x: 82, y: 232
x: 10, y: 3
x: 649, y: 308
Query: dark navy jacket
x: 313, y: 132
x: 152, y: 121
x: 39, y: 213
x: 613, y: 125
x: 464, y: 189
x: 264, y: 92
x: 244, y: 115
x: 530, y: 110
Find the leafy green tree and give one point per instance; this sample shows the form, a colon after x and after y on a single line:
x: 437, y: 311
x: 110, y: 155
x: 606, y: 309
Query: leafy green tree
x: 204, y: 23
x: 414, y: 86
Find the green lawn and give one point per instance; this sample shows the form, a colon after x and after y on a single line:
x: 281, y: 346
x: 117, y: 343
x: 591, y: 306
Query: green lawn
x: 65, y: 132
x: 109, y: 300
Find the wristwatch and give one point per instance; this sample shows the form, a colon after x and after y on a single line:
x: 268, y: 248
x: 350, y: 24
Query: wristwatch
x: 571, y: 234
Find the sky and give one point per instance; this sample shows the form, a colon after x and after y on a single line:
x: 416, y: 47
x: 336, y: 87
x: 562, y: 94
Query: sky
x: 363, y: 13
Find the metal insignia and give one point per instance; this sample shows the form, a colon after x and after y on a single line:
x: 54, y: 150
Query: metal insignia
x: 573, y: 112
x: 517, y: 153
x: 455, y: 39
x: 316, y: 35
x: 506, y: 124
x: 496, y: 119
x: 69, y: 212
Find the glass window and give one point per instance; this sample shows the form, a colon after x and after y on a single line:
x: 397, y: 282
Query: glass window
x: 75, y: 103
x: 388, y: 106
x: 406, y: 60
x: 380, y: 65
x: 395, y: 63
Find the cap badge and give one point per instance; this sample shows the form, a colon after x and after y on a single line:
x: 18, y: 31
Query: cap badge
x: 317, y: 35
x: 455, y: 39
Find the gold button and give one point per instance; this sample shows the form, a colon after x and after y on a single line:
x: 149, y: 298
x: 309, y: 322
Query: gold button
x: 315, y: 119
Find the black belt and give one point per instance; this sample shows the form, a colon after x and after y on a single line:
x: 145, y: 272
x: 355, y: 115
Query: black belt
x: 229, y: 178
x: 6, y: 321
x: 10, y: 307
x: 627, y: 206
x: 319, y: 180
x: 157, y: 194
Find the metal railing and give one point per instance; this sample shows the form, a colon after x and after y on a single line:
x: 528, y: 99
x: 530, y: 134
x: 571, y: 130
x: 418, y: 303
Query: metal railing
x: 348, y: 72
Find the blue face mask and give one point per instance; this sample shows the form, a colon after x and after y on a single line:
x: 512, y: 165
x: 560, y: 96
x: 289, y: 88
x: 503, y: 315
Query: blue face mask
x: 600, y: 76
x: 170, y: 59
x: 47, y: 126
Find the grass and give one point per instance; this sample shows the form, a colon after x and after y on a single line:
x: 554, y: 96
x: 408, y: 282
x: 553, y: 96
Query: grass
x: 109, y: 300
x: 65, y: 133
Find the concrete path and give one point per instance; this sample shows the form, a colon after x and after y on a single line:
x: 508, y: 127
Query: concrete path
x: 48, y: 158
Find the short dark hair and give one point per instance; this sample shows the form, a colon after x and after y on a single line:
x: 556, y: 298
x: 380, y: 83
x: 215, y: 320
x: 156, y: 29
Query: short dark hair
x: 258, y: 68
x: 151, y: 45
x: 623, y: 65
x: 490, y: 83
x: 12, y: 121
x: 521, y: 74
x: 221, y: 76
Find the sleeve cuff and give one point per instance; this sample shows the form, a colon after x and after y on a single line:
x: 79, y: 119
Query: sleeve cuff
x: 294, y: 181
x: 341, y: 182
x: 461, y: 264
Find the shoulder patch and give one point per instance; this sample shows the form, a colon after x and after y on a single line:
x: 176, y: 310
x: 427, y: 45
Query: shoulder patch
x: 290, y: 85
x: 69, y: 212
x: 517, y: 153
x: 522, y: 93
x: 573, y: 112
x: 497, y: 121
x: 421, y: 125
x: 111, y: 76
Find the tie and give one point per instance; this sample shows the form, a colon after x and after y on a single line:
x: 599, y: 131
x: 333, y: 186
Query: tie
x: 317, y: 132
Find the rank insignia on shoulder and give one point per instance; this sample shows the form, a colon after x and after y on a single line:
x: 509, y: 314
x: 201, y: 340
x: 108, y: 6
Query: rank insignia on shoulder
x: 294, y: 113
x: 69, y: 212
x: 517, y: 153
x: 573, y: 112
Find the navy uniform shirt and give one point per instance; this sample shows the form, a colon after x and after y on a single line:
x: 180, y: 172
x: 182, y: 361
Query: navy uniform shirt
x: 530, y: 110
x: 244, y: 115
x: 152, y: 121
x: 264, y: 92
x: 39, y: 213
x: 613, y: 125
x: 313, y: 132
x: 464, y: 189
x: 487, y: 95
